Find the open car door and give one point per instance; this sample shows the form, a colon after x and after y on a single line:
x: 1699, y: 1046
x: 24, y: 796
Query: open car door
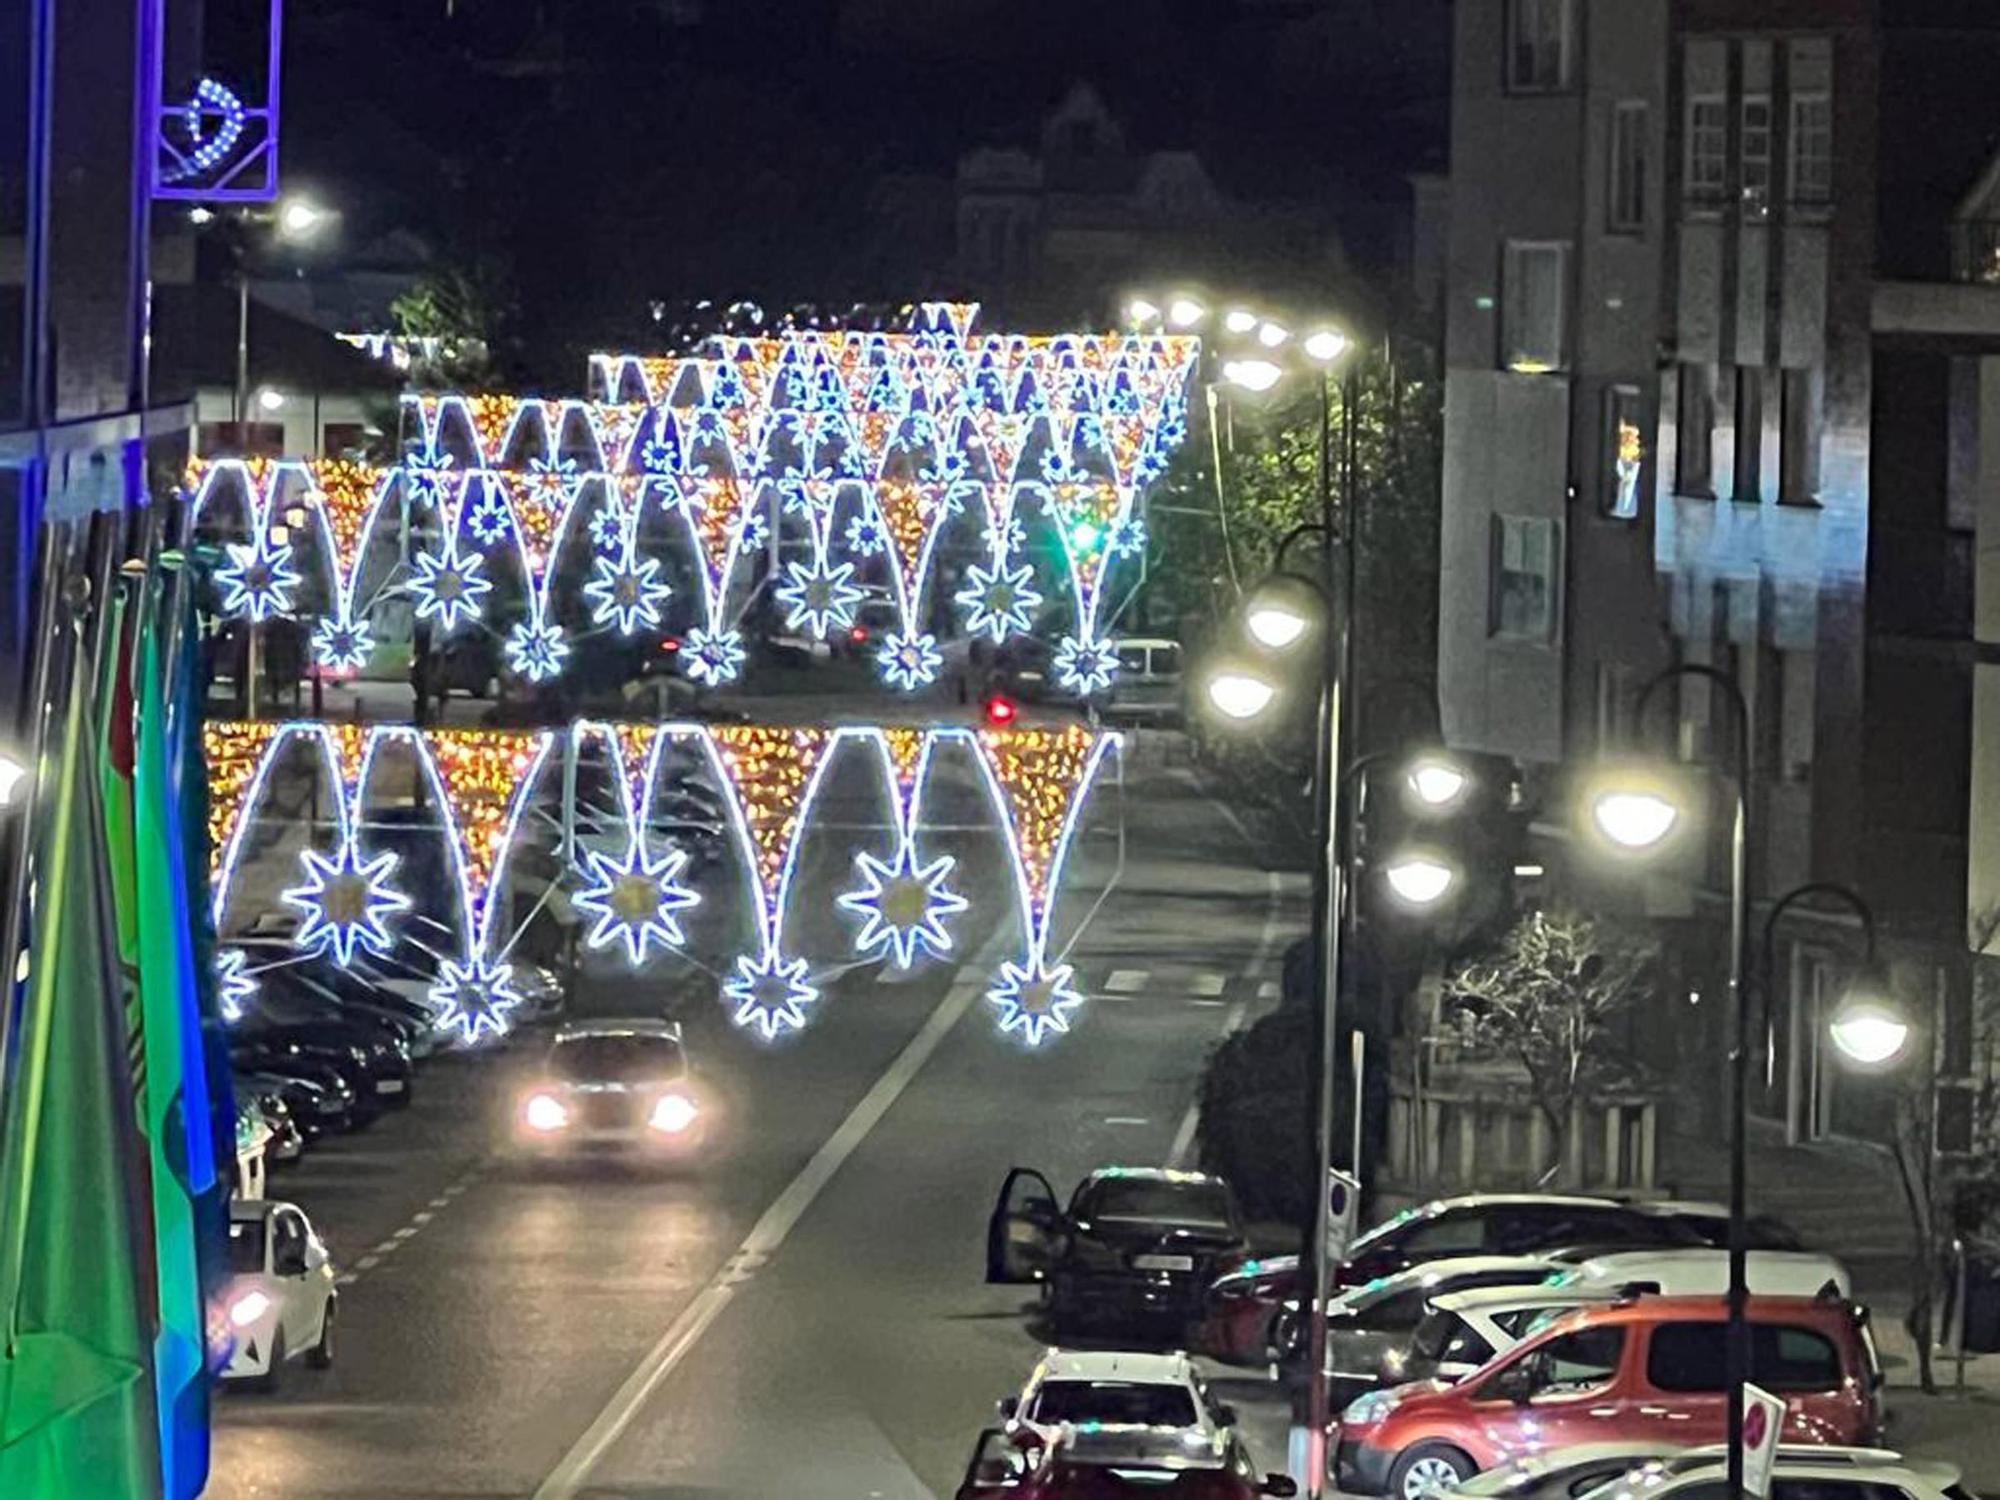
x: 1022, y: 1235
x: 998, y: 1470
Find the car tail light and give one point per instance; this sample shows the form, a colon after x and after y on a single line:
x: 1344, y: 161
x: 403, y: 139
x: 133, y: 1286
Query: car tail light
x: 857, y: 633
x: 1001, y: 710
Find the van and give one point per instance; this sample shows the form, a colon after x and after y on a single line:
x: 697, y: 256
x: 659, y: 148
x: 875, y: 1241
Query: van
x: 1148, y: 684
x: 1643, y: 1369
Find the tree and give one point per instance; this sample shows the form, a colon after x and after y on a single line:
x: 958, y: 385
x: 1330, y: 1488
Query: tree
x: 469, y: 307
x: 1546, y: 998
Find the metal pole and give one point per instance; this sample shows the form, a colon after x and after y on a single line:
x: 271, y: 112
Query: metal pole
x: 242, y: 349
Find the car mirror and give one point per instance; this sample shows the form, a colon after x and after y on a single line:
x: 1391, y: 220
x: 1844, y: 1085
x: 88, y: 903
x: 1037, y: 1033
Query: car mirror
x: 1223, y: 1413
x: 1007, y: 1406
x: 292, y: 1262
x: 315, y: 1256
x: 1516, y: 1383
x: 1278, y: 1484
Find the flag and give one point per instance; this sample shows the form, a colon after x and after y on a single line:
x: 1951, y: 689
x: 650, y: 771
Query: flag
x: 76, y: 1407
x: 177, y: 1097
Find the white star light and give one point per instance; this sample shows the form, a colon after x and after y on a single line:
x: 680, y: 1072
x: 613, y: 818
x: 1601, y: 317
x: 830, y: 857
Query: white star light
x: 448, y: 588
x: 233, y: 987
x: 769, y: 993
x: 343, y: 646
x: 344, y: 901
x: 1007, y: 540
x: 490, y: 519
x: 1085, y: 667
x: 820, y: 598
x: 752, y: 531
x: 475, y: 997
x: 909, y: 661
x: 607, y: 529
x: 903, y: 903
x: 258, y: 579
x: 627, y: 592
x: 864, y: 536
x: 1128, y: 537
x: 424, y: 477
x: 713, y: 659
x: 1034, y: 1000
x: 634, y: 900
x: 536, y: 651
x: 999, y: 600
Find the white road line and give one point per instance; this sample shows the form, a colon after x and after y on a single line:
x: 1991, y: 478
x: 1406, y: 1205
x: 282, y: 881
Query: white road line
x: 1267, y: 937
x: 1216, y: 1004
x: 1268, y: 990
x: 421, y: 1217
x: 440, y: 1202
x: 408, y: 1231
x: 346, y: 1278
x: 1208, y: 984
x: 1125, y: 981
x: 769, y: 1232
x: 368, y: 1263
x: 1126, y: 1120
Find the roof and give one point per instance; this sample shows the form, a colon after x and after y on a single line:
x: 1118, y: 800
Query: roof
x: 1116, y: 1364
x: 1153, y: 1174
x: 1483, y: 1298
x: 198, y: 347
x: 1709, y: 1309
x: 1432, y: 1272
x: 621, y: 1026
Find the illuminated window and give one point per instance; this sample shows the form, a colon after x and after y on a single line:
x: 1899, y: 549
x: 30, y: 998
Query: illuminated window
x: 1811, y: 174
x: 1523, y: 596
x: 1624, y: 451
x: 1707, y: 148
x: 1534, y: 286
x: 1755, y: 153
x: 1537, y: 46
x: 1625, y: 204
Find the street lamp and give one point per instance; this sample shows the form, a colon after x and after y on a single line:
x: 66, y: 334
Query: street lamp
x: 301, y: 218
x: 1256, y: 375
x: 1142, y: 312
x: 1419, y: 878
x: 1271, y: 333
x: 1185, y: 312
x: 1281, y: 610
x: 1325, y: 345
x: 1437, y: 783
x: 1240, y: 693
x: 1869, y: 1032
x: 1239, y: 320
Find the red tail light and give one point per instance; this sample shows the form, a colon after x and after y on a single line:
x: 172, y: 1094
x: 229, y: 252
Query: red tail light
x: 1001, y: 710
x: 857, y: 633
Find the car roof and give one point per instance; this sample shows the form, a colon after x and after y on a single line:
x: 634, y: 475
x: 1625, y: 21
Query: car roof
x: 1432, y: 1272
x: 621, y: 1026
x: 1140, y: 1368
x: 1807, y: 1459
x: 1153, y: 1174
x: 1500, y: 1298
x: 1704, y: 1309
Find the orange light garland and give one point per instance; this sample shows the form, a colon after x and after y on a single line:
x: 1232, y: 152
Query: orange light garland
x: 769, y: 768
x: 1039, y: 771
x: 233, y: 752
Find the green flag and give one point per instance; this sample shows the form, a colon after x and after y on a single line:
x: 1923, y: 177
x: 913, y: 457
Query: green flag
x: 77, y: 1414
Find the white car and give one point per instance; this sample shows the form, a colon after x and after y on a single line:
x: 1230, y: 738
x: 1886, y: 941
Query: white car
x: 280, y: 1301
x: 613, y: 1085
x: 1801, y: 1473
x: 1118, y: 1388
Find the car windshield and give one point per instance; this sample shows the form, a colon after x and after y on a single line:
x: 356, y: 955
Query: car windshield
x: 1113, y: 1401
x: 616, y: 1059
x: 1194, y: 1205
x: 246, y: 1245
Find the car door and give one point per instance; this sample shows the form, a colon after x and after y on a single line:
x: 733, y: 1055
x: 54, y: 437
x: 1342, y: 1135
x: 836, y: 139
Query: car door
x: 998, y: 1468
x: 1025, y: 1231
x: 298, y: 1314
x: 1571, y: 1394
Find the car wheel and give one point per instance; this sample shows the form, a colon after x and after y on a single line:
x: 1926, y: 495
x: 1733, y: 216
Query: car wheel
x: 1282, y: 1336
x: 1428, y: 1468
x: 320, y: 1356
x: 273, y: 1376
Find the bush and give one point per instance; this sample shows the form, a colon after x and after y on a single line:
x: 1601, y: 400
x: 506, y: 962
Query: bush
x: 1254, y: 1126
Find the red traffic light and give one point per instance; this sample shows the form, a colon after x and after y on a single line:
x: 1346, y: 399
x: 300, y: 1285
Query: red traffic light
x: 1001, y: 709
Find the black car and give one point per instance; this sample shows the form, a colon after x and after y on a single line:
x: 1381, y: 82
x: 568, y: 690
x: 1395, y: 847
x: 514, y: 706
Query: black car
x: 365, y: 1062
x: 1137, y: 1245
x: 319, y: 1098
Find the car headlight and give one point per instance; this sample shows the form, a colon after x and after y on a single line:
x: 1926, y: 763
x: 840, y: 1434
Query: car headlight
x: 1368, y: 1409
x: 673, y: 1114
x: 545, y: 1112
x: 248, y: 1308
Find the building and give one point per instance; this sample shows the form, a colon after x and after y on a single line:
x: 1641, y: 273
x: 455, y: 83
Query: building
x: 1715, y: 337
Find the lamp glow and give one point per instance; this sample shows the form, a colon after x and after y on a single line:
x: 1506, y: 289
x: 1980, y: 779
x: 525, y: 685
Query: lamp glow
x: 545, y: 1113
x: 1419, y: 879
x: 12, y: 773
x: 1239, y: 320
x: 1325, y: 345
x: 1270, y: 334
x: 269, y: 399
x: 1240, y: 695
x: 1251, y: 374
x: 1275, y: 626
x: 1869, y: 1032
x: 1185, y: 312
x: 300, y: 218
x: 673, y: 1114
x: 1139, y: 310
x: 1634, y: 819
x: 1437, y: 782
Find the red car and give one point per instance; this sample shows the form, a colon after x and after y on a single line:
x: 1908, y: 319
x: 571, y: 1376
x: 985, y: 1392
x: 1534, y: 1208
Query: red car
x: 1241, y: 1308
x: 1106, y: 1461
x: 1644, y: 1370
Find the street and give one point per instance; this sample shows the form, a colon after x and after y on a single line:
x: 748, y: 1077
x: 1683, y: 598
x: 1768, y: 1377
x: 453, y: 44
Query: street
x: 805, y: 1313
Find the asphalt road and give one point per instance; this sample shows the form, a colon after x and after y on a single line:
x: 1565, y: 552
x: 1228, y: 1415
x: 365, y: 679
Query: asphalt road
x: 804, y: 1315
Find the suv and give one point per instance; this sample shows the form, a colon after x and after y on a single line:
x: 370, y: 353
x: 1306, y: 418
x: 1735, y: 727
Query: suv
x: 1650, y: 1368
x: 1117, y: 1388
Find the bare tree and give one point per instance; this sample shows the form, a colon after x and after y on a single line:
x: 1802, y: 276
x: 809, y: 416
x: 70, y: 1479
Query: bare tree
x: 1546, y: 998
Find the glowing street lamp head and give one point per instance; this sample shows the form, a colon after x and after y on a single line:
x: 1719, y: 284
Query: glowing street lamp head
x: 1275, y: 626
x: 301, y: 218
x: 1185, y: 312
x: 1141, y: 312
x: 1437, y: 782
x: 1419, y: 879
x: 1634, y: 818
x: 12, y: 773
x: 1271, y: 334
x: 1325, y: 345
x: 1239, y: 320
x: 1281, y: 610
x: 269, y: 399
x: 1240, y: 694
x: 1869, y: 1032
x: 1251, y: 374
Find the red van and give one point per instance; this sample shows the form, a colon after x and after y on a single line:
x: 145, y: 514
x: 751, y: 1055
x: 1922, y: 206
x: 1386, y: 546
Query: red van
x: 1638, y: 1371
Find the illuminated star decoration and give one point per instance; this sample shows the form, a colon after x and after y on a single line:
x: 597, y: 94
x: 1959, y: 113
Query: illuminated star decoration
x: 909, y: 661
x: 448, y: 588
x: 1128, y: 537
x: 821, y: 598
x: 474, y: 997
x: 752, y: 532
x: 713, y: 657
x: 1007, y: 540
x: 607, y: 529
x: 769, y: 993
x: 343, y: 646
x: 233, y: 987
x: 864, y: 536
x: 536, y: 650
x: 490, y: 518
x: 634, y: 900
x: 258, y: 579
x: 999, y: 600
x: 1034, y: 1000
x: 628, y: 592
x: 344, y: 901
x: 424, y: 478
x: 903, y: 904
x: 1085, y: 667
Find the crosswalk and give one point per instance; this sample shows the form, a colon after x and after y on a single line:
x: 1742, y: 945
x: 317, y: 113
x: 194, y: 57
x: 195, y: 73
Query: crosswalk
x: 1176, y: 985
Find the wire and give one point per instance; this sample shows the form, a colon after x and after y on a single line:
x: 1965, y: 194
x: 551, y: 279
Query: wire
x: 1221, y: 509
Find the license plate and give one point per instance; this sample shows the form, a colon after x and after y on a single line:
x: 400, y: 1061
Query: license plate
x: 388, y: 1085
x: 1163, y: 1262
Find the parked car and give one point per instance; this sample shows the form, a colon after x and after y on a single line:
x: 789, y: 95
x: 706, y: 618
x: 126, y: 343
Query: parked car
x: 1118, y: 1386
x: 287, y: 1142
x: 619, y: 1085
x: 1799, y: 1472
x: 1241, y: 1310
x: 373, y: 1061
x: 1147, y: 688
x: 280, y: 1301
x: 320, y: 1099
x: 1137, y: 1245
x: 1562, y: 1474
x: 1118, y: 1462
x: 1643, y: 1369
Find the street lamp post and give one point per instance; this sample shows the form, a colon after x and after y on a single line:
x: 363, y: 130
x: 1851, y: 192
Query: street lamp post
x: 1637, y: 816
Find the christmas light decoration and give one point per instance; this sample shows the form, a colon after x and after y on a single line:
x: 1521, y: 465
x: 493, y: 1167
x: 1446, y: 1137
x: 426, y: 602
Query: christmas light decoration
x: 258, y: 579
x: 909, y: 659
x: 234, y: 987
x: 474, y: 998
x: 713, y: 657
x: 344, y: 902
x: 1085, y: 667
x: 238, y: 757
x: 819, y: 598
x: 342, y: 648
x: 1034, y: 999
x: 627, y: 592
x: 999, y: 600
x: 634, y: 899
x: 484, y: 778
x: 535, y: 650
x: 490, y: 519
x: 770, y: 993
x: 448, y: 587
x: 903, y: 904
x: 865, y: 536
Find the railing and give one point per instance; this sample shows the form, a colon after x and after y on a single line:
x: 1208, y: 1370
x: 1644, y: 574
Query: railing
x: 1444, y: 1139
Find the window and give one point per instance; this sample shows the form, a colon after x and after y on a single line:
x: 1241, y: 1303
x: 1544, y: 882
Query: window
x: 1452, y: 1232
x: 1533, y: 284
x: 1690, y: 1357
x: 1695, y: 421
x: 1810, y: 178
x: 1524, y: 578
x: 1576, y: 1362
x: 1624, y: 451
x: 1707, y: 149
x: 1754, y: 154
x: 1398, y: 1314
x: 1446, y: 1338
x: 1749, y: 466
x: 1537, y: 46
x: 1625, y: 207
x: 1798, y: 438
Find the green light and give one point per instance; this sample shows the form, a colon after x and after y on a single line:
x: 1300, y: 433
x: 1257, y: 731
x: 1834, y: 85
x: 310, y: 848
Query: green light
x: 1084, y: 535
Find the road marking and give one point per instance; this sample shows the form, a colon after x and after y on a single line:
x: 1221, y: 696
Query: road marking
x: 408, y: 1231
x: 1126, y: 1120
x: 769, y: 1232
x: 422, y: 1217
x: 1208, y: 984
x: 1267, y: 937
x: 367, y: 1263
x: 346, y: 1278
x: 1268, y: 990
x: 1125, y: 981
x: 1214, y: 1003
x: 440, y: 1202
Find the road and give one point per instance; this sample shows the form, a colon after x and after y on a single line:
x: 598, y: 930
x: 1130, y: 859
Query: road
x: 806, y: 1315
